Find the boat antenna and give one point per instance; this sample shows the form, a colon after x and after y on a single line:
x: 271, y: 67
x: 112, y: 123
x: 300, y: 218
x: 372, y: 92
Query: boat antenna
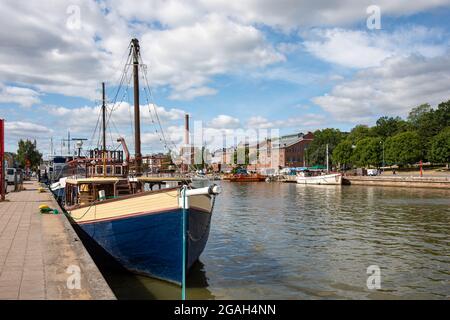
x: 137, y: 123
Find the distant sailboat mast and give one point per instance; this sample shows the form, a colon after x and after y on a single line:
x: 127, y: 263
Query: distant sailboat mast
x: 328, y: 168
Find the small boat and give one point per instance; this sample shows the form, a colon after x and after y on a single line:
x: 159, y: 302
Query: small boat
x: 200, y: 177
x: 315, y: 177
x: 247, y: 177
x: 306, y: 177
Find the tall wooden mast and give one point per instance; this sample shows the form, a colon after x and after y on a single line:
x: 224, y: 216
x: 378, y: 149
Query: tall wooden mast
x: 137, y: 122
x: 104, y: 117
x: 104, y: 129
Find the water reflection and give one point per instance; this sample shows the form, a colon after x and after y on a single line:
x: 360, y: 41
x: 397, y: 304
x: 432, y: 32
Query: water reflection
x: 288, y: 241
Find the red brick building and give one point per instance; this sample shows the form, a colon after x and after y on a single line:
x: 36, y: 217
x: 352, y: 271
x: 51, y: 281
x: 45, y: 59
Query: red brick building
x: 293, y: 150
x: 156, y: 163
x: 286, y: 151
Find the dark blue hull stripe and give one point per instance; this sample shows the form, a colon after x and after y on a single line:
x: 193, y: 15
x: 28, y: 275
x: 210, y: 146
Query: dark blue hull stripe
x: 152, y: 244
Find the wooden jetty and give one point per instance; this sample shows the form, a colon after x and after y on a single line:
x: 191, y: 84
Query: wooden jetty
x: 40, y: 253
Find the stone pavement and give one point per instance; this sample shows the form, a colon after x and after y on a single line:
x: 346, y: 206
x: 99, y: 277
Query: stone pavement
x: 40, y: 252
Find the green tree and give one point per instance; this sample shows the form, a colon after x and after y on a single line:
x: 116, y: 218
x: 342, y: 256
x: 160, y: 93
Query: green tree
x: 368, y: 152
x: 428, y: 123
x: 403, y: 148
x: 317, y: 148
x: 417, y: 114
x: 359, y: 132
x: 27, y: 152
x: 442, y: 115
x: 389, y: 126
x: 343, y: 153
x: 423, y: 120
x: 440, y: 147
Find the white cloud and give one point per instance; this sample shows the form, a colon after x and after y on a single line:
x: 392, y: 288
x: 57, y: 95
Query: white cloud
x: 363, y: 49
x: 22, y: 96
x: 185, y: 45
x: 121, y: 116
x: 224, y: 121
x: 393, y: 88
x: 44, y: 53
x: 39, y: 49
x: 25, y: 129
x: 307, y: 121
x: 188, y: 57
x: 259, y: 122
x: 283, y: 14
x: 192, y: 93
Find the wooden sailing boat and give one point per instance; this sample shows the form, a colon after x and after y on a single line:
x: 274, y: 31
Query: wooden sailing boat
x: 308, y: 177
x: 143, y: 230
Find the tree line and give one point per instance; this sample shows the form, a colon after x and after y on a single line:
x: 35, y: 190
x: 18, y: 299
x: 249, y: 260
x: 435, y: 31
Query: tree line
x: 423, y: 135
x: 27, y: 154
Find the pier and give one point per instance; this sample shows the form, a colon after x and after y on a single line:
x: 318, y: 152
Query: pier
x: 41, y: 256
x: 399, y: 181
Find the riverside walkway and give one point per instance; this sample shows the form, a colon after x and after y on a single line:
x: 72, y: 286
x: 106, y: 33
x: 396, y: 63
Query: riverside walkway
x: 41, y: 257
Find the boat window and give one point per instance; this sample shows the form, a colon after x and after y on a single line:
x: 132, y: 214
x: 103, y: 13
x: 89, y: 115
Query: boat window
x: 99, y: 169
x: 108, y: 170
x: 59, y: 160
x: 118, y: 170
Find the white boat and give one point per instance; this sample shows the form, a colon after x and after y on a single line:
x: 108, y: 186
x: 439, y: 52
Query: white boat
x: 199, y: 177
x: 308, y: 177
x: 331, y: 179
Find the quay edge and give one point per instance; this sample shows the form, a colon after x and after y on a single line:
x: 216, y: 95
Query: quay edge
x: 97, y: 286
x: 400, y: 181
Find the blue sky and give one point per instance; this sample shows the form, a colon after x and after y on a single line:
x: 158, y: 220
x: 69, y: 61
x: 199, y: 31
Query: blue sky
x: 287, y: 65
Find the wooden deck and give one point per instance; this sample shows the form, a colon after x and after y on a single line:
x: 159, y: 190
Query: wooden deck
x: 38, y: 252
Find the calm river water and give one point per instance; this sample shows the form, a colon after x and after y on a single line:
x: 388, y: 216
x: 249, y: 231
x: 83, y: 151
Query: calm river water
x: 287, y: 241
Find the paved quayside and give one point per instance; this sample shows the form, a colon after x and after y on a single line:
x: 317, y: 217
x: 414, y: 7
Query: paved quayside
x: 38, y: 252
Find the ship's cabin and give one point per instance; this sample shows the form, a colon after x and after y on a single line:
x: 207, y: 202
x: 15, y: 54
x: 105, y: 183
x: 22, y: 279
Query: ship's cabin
x: 83, y: 191
x: 106, y: 164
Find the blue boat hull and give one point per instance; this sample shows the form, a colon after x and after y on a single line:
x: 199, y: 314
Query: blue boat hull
x: 151, y: 244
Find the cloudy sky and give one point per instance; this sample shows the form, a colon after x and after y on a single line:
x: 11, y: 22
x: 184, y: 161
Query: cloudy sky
x: 288, y: 65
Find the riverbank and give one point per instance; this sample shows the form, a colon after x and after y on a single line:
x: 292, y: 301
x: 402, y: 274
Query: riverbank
x: 399, y: 181
x: 39, y: 253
